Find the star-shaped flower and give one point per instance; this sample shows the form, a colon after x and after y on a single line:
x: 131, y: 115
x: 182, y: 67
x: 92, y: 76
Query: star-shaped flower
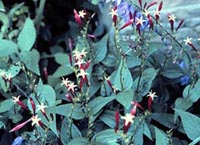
x: 171, y: 17
x: 65, y: 82
x: 113, y: 12
x: 79, y: 63
x: 16, y: 99
x: 9, y: 76
x: 35, y: 120
x: 146, y: 13
x: 82, y: 13
x: 79, y: 55
x: 188, y: 41
x: 83, y: 53
x: 157, y: 12
x: 152, y: 95
x: 128, y: 118
x: 2, y: 73
x: 41, y: 107
x: 71, y: 87
x: 82, y: 73
x: 139, y: 21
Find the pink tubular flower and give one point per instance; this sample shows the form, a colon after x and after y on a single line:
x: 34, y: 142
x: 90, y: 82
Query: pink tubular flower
x: 151, y: 95
x: 128, y: 120
x: 117, y: 117
x: 127, y: 24
x: 179, y: 24
x: 140, y: 2
x: 20, y: 126
x: 69, y: 97
x: 151, y: 4
x: 114, y: 15
x: 189, y: 42
x: 137, y: 105
x: 171, y: 19
x: 77, y: 17
x: 32, y: 104
x: 20, y: 103
x: 45, y: 72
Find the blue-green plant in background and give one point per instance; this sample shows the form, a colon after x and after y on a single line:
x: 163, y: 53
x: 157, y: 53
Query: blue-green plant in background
x: 113, y: 84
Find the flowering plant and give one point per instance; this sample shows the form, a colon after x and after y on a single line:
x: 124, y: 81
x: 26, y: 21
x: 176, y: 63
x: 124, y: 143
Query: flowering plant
x: 120, y: 75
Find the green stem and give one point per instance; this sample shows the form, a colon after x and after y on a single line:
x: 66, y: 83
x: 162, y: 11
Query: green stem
x: 18, y: 88
x: 135, y: 130
x: 39, y: 13
x: 70, y: 122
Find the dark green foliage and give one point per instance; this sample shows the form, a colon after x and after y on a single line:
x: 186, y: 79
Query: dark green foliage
x: 95, y: 75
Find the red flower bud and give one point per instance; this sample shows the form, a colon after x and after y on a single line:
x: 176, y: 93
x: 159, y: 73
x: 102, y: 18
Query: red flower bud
x: 127, y: 24
x: 20, y: 126
x: 160, y: 6
x: 45, y: 71
x: 77, y: 17
x: 179, y: 25
x: 140, y: 2
x: 151, y: 4
x: 149, y: 103
x: 33, y: 105
x: 117, y: 117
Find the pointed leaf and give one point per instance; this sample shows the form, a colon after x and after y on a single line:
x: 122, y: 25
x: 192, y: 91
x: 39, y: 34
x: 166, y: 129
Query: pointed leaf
x: 123, y: 79
x: 100, y: 49
x: 190, y: 123
x: 98, y: 103
x: 125, y: 98
x: 31, y: 60
x: 27, y: 36
x: 161, y: 137
x: 7, y: 47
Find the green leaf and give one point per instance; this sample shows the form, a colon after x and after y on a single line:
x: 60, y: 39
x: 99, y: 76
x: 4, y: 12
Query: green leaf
x: 52, y: 123
x: 63, y: 70
x: 27, y: 36
x: 108, y: 118
x: 125, y: 98
x: 106, y: 137
x: 172, y: 71
x: 100, y: 49
x: 161, y: 137
x: 66, y: 109
x: 194, y: 142
x: 98, y: 103
x: 144, y: 82
x: 192, y: 92
x: 190, y: 123
x: 14, y: 70
x: 2, y: 125
x: 79, y: 141
x: 147, y: 131
x: 132, y: 61
x: 46, y: 93
x: 31, y: 60
x: 123, y: 79
x: 4, y: 85
x: 182, y: 104
x: 110, y: 60
x: 62, y: 58
x: 164, y: 119
x: 7, y: 47
x: 75, y: 133
x: 95, y: 2
x: 138, y: 137
x: 6, y: 105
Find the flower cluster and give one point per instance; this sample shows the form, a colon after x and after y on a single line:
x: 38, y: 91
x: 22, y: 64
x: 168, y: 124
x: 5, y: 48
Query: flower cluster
x: 35, y: 110
x: 129, y: 117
